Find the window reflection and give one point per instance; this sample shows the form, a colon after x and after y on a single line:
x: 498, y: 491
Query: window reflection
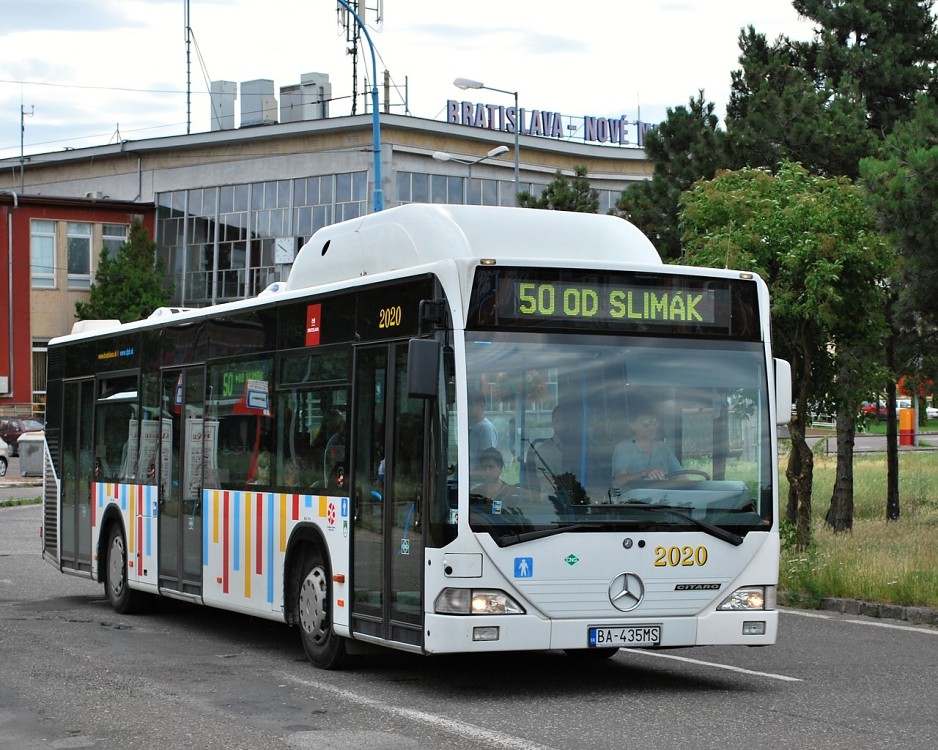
x: 564, y: 409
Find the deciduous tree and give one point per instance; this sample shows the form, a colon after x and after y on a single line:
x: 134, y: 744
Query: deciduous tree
x: 815, y: 243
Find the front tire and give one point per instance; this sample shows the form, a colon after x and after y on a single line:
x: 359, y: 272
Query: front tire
x: 323, y: 647
x: 123, y: 600
x: 592, y: 654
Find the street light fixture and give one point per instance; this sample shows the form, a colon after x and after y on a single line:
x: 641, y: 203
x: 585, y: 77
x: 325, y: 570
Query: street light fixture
x: 468, y: 83
x: 444, y: 156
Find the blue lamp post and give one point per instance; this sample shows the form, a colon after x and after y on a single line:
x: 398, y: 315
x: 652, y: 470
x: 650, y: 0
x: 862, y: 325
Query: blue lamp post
x: 378, y: 199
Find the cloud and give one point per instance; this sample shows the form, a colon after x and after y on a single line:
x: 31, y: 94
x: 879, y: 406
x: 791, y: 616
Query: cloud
x: 520, y: 39
x: 67, y: 15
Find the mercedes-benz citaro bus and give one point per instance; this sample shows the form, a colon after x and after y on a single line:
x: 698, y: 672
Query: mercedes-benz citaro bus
x: 452, y: 429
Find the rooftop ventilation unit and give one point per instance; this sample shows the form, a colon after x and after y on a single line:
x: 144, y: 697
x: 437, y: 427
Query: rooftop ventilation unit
x: 258, y: 103
x: 223, y: 95
x: 308, y: 100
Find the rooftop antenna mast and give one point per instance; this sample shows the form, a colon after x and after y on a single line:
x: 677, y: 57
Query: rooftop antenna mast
x: 188, y: 70
x: 23, y: 115
x: 352, y: 31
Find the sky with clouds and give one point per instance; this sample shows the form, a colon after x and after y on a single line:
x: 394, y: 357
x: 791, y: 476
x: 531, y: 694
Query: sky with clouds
x: 90, y: 72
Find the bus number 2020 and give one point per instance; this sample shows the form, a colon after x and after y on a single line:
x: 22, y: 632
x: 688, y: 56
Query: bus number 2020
x: 677, y: 556
x: 389, y: 317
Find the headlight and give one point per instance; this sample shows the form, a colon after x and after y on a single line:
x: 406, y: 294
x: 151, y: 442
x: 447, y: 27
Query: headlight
x: 476, y: 602
x: 748, y: 598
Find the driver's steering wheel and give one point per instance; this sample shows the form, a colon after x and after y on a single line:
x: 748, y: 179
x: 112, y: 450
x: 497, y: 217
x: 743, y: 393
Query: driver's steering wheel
x: 685, y: 472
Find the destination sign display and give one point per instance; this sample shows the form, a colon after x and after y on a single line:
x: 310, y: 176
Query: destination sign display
x: 617, y: 302
x: 558, y: 298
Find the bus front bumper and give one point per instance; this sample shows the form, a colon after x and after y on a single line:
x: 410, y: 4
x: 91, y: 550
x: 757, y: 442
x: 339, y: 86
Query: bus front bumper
x: 483, y: 633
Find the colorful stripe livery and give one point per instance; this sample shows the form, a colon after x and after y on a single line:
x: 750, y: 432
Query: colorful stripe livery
x: 244, y: 539
x: 137, y: 504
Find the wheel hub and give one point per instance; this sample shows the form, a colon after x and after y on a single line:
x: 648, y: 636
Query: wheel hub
x: 313, y: 605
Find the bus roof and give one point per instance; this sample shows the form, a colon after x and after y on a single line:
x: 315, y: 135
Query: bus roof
x: 420, y: 234
x: 417, y: 234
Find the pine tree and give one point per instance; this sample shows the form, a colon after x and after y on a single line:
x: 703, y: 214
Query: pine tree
x: 564, y: 194
x: 685, y: 148
x: 887, y: 48
x: 778, y: 112
x: 129, y: 286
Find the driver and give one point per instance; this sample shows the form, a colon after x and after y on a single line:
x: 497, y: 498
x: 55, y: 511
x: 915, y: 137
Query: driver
x: 644, y: 456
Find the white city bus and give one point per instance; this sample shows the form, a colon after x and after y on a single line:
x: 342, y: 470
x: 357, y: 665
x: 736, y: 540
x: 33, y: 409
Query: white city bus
x: 305, y: 456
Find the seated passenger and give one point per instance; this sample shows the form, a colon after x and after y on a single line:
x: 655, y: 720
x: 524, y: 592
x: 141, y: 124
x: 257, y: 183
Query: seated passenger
x: 644, y: 456
x: 492, y: 488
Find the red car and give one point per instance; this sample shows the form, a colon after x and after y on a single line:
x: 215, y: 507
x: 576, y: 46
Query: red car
x: 876, y: 411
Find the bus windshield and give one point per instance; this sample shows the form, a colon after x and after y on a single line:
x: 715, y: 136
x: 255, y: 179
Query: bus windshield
x: 618, y: 432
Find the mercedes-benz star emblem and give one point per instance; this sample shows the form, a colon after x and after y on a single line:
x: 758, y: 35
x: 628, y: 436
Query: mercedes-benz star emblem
x: 626, y: 591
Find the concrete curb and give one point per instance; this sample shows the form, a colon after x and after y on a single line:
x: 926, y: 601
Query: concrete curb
x: 915, y: 615
x: 844, y: 606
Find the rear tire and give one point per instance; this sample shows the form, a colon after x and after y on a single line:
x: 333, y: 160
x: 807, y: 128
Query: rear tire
x: 323, y: 647
x: 123, y: 600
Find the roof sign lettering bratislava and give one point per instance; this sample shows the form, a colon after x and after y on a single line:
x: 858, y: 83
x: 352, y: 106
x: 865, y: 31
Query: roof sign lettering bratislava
x: 618, y: 131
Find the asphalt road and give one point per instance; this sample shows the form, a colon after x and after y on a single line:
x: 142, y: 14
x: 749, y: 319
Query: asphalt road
x: 73, y: 674
x: 14, y: 486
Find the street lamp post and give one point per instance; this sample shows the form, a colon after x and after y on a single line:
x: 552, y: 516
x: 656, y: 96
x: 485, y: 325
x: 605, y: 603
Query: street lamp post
x: 378, y: 199
x: 468, y: 83
x: 444, y: 156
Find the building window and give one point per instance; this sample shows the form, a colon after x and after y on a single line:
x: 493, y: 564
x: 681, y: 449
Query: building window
x: 42, y: 253
x: 112, y: 237
x: 351, y: 200
x: 218, y: 243
x: 39, y: 378
x: 79, y: 255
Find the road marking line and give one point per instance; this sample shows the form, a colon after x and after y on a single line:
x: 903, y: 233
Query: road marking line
x: 910, y: 628
x: 770, y: 675
x: 460, y: 728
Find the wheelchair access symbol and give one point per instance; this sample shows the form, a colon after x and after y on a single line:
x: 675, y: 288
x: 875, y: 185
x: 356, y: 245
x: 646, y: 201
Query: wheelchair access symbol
x: 524, y: 567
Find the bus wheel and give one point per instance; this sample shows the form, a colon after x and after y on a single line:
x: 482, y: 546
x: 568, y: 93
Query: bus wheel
x: 123, y: 600
x: 324, y: 648
x: 593, y: 654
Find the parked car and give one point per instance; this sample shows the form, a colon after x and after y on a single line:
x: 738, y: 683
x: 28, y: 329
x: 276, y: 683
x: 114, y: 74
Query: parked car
x: 12, y: 427
x: 5, y: 453
x: 874, y: 410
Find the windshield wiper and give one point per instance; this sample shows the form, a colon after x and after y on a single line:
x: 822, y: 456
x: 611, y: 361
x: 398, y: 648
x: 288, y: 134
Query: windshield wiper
x: 719, y: 533
x: 507, y: 540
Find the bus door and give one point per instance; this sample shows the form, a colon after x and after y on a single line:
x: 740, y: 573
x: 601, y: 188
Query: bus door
x: 388, y: 493
x: 77, y: 474
x: 180, y: 472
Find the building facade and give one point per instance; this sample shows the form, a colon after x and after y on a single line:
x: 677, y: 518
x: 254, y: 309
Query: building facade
x: 49, y: 250
x: 229, y: 209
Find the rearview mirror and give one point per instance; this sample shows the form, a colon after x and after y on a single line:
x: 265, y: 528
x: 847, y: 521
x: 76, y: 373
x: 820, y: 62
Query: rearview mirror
x: 782, y: 392
x: 423, y: 368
